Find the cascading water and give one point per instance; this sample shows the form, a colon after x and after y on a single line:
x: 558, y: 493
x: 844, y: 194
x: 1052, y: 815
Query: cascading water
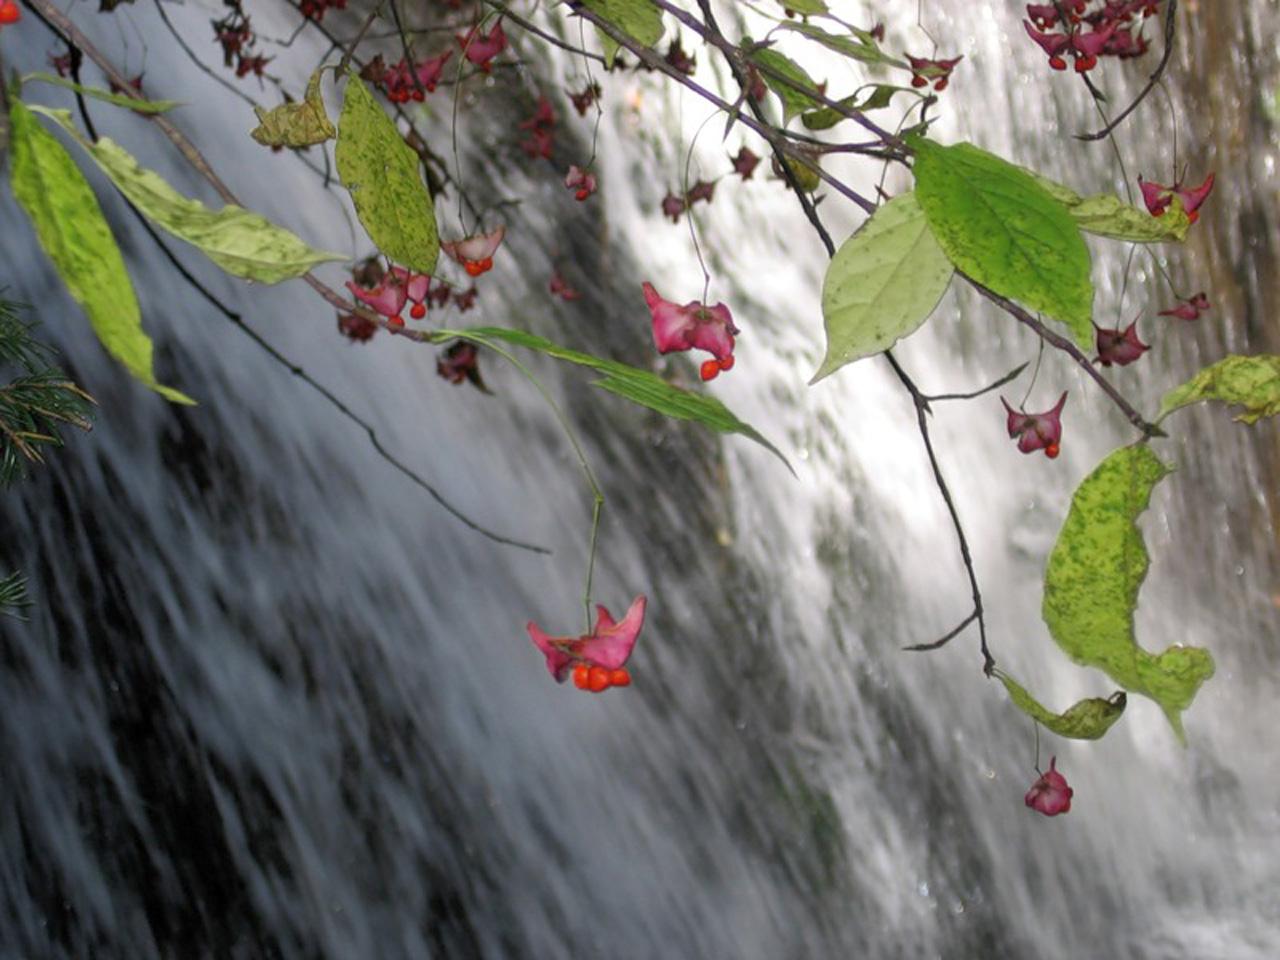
x: 272, y: 701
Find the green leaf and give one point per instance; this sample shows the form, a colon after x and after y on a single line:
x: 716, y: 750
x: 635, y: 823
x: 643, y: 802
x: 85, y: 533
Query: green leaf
x: 381, y: 172
x: 296, y: 124
x: 863, y: 49
x: 243, y: 243
x: 638, y: 19
x: 882, y: 284
x: 1250, y: 382
x: 880, y: 97
x: 1086, y: 720
x: 1003, y: 229
x: 638, y: 386
x: 118, y: 99
x: 74, y: 233
x: 807, y: 8
x: 793, y: 101
x: 1092, y: 580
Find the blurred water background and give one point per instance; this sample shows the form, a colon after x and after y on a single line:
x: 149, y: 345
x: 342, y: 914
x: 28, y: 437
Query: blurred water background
x: 272, y: 701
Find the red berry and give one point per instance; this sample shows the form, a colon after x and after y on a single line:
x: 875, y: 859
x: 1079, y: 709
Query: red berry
x: 581, y: 676
x: 476, y: 267
x: 598, y: 679
x: 919, y: 81
x: 1085, y: 64
x: 10, y: 13
x: 620, y: 678
x: 727, y: 363
x: 582, y: 194
x: 1057, y: 63
x: 395, y: 322
x: 1051, y: 451
x: 710, y: 369
x: 419, y: 95
x: 940, y: 84
x: 418, y: 311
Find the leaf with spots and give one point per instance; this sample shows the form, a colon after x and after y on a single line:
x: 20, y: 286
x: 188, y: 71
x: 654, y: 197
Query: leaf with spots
x: 72, y: 230
x: 381, y: 172
x: 1092, y: 580
x: 882, y: 284
x: 241, y: 242
x: 302, y: 124
x: 1003, y: 229
x: 1249, y: 382
x: 1087, y: 719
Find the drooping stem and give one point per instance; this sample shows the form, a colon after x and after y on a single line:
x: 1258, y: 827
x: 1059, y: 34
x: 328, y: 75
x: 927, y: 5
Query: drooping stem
x: 597, y: 495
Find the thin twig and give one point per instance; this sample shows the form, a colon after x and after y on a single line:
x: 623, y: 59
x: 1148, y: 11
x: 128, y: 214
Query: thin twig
x: 1062, y: 343
x: 1008, y: 377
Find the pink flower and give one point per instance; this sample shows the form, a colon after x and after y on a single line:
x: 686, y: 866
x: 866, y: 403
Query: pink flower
x: 416, y: 289
x: 1050, y: 794
x: 387, y: 298
x: 1157, y: 196
x: 1037, y: 431
x: 481, y: 48
x: 680, y: 60
x: 597, y: 658
x: 584, y: 182
x: 1117, y: 346
x: 693, y: 326
x: 1052, y: 44
x: 429, y: 71
x: 475, y: 252
x: 1188, y: 309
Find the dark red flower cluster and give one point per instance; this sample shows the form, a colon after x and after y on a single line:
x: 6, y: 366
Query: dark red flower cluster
x: 315, y: 9
x: 461, y: 362
x: 237, y: 39
x: 405, y: 82
x: 938, y: 71
x: 1091, y: 29
x: 541, y: 128
x: 586, y: 98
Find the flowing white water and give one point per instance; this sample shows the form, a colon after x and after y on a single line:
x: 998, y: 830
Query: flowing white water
x: 273, y: 702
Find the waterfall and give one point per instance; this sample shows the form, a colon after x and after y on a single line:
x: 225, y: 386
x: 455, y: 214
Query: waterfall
x: 272, y: 701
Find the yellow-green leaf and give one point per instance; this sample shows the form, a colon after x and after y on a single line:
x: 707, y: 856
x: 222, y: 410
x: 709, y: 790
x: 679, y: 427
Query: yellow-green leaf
x: 1085, y: 720
x: 1108, y: 216
x: 638, y: 19
x: 74, y: 233
x: 116, y: 99
x: 882, y: 284
x: 1092, y: 580
x: 241, y: 242
x: 1250, y: 382
x: 296, y: 124
x: 861, y: 46
x: 381, y: 172
x: 1005, y: 230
